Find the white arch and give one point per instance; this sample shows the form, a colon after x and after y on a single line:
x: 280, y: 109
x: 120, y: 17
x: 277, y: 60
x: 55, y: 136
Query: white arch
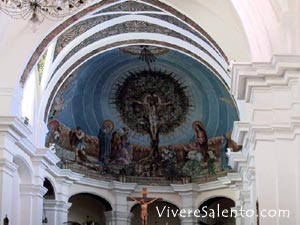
x: 214, y: 196
x: 52, y: 182
x: 92, y: 193
x: 24, y: 169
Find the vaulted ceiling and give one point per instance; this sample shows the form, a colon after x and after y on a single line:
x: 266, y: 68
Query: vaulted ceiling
x: 88, y: 96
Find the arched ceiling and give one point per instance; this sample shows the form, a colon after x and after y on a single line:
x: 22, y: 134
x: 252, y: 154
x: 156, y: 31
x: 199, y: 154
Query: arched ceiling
x: 90, y: 27
x: 88, y: 96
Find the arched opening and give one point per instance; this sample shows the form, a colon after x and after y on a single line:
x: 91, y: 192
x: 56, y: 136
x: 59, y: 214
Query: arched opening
x: 160, y: 213
x: 88, y: 208
x: 50, y: 194
x: 21, y: 183
x: 217, y: 211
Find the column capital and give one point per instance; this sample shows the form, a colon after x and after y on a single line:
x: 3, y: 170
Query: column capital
x: 32, y: 190
x: 54, y: 205
x: 8, y: 167
x: 15, y: 126
x: 183, y: 189
x: 246, y: 76
x: 121, y: 187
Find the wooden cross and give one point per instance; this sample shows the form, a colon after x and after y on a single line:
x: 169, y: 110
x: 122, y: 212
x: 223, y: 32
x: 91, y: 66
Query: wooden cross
x: 144, y: 202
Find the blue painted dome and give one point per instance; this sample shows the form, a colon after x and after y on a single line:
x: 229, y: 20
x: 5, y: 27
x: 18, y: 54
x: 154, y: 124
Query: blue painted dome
x: 87, y: 97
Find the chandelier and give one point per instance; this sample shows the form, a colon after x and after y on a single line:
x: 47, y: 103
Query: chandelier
x: 37, y: 10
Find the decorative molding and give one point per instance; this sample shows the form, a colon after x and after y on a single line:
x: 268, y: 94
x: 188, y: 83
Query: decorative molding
x: 8, y: 167
x: 66, y: 175
x: 32, y: 190
x: 129, y: 6
x: 272, y: 132
x: 237, y: 160
x: 53, y: 205
x: 48, y: 157
x: 121, y: 186
x: 77, y: 29
x: 87, y: 56
x: 14, y: 126
x: 26, y: 145
x: 247, y: 76
x: 240, y: 129
x: 181, y: 188
x: 68, y: 22
x: 134, y: 26
x: 219, y: 184
x: 94, y: 183
x: 156, y: 189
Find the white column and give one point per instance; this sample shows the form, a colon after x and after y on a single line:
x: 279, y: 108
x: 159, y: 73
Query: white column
x: 10, y: 131
x: 121, y: 212
x: 7, y: 169
x: 31, y: 203
x: 188, y: 195
x: 56, y: 212
x: 270, y: 93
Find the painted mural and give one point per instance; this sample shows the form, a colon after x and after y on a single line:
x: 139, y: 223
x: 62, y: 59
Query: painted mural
x: 119, y: 116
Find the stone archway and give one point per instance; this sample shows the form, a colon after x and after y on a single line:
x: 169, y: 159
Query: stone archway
x: 88, y: 207
x: 211, y: 211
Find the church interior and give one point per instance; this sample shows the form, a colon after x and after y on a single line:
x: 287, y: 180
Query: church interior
x: 150, y: 112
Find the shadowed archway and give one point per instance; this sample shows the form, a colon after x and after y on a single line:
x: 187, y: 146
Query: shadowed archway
x: 88, y: 207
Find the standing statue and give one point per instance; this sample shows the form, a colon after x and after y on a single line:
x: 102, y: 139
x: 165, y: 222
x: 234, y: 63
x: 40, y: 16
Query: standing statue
x: 144, y: 202
x: 104, y: 137
x: 153, y: 104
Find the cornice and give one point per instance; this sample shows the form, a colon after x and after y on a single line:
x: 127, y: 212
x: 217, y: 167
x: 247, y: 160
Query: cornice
x: 8, y: 167
x: 237, y: 160
x: 65, y: 175
x: 240, y: 129
x: 14, y: 126
x: 275, y: 131
x: 53, y: 205
x: 246, y: 76
x: 122, y: 186
x: 32, y: 190
x: 46, y: 156
x: 182, y: 188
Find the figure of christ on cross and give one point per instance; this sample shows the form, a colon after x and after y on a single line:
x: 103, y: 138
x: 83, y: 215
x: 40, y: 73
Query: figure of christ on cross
x: 144, y: 202
x: 153, y: 104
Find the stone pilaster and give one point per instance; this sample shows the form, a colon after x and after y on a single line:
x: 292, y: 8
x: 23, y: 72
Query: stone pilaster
x: 188, y: 194
x: 56, y: 212
x: 270, y: 135
x: 118, y: 218
x: 31, y: 199
x: 7, y: 170
x: 121, y: 214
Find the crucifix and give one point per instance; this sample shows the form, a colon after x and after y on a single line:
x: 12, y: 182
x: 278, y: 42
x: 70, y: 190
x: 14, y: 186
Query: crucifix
x: 144, y: 202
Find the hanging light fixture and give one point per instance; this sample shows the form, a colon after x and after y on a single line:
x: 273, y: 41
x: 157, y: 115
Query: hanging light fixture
x: 37, y: 10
